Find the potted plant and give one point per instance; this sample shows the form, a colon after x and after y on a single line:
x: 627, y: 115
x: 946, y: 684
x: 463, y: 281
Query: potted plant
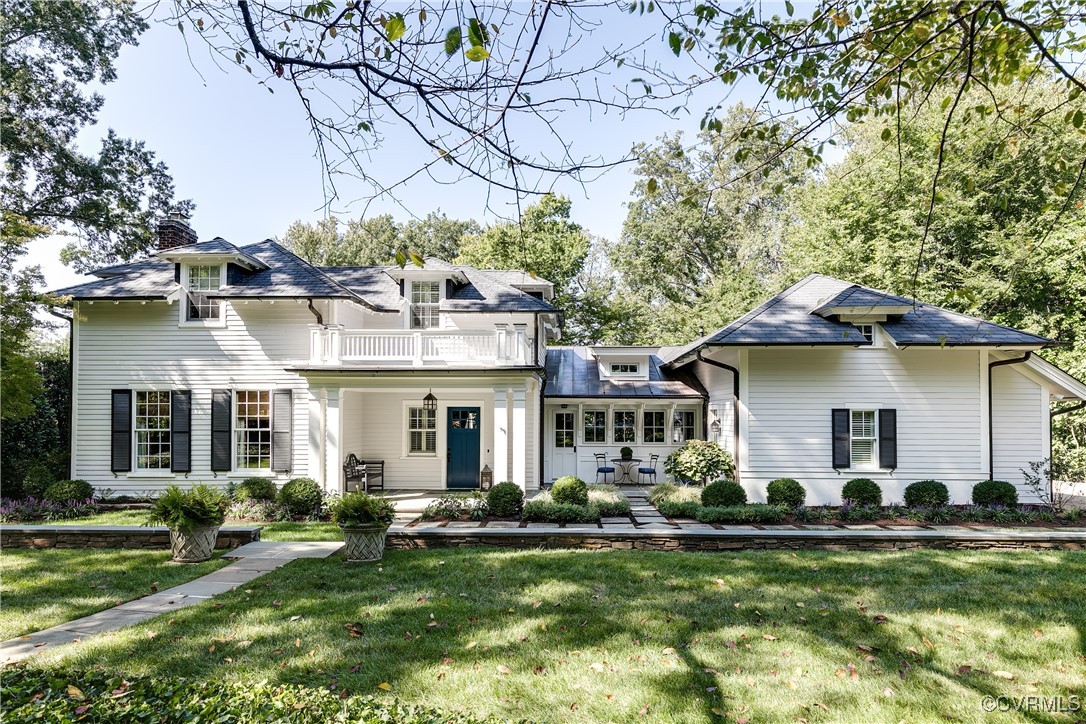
x: 364, y: 520
x: 626, y: 453
x: 193, y: 517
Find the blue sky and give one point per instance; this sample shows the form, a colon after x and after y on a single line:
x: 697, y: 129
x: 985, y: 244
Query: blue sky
x: 245, y: 156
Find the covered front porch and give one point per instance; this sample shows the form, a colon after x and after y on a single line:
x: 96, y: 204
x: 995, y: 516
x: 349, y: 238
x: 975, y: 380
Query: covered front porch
x: 431, y: 432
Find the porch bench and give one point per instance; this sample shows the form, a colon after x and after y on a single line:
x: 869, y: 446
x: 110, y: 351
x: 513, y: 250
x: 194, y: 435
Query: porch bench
x: 364, y: 474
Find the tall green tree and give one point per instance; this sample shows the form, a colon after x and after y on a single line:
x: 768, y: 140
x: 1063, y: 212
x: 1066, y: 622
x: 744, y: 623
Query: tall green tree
x: 378, y: 239
x: 702, y: 233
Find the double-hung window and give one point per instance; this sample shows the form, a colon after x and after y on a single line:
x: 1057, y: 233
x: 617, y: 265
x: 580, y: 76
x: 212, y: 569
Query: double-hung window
x: 425, y: 300
x: 253, y: 429
x: 863, y: 438
x: 625, y: 424
x: 683, y: 426
x: 654, y: 426
x: 421, y: 431
x: 203, y: 278
x: 152, y: 427
x: 595, y: 426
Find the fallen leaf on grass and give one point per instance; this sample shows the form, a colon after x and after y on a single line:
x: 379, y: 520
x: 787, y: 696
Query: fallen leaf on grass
x: 471, y: 645
x: 1004, y: 675
x: 384, y: 686
x: 769, y: 637
x: 503, y: 669
x: 74, y: 692
x: 888, y: 692
x: 668, y: 650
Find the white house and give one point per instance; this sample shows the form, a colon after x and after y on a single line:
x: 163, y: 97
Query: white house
x: 209, y: 362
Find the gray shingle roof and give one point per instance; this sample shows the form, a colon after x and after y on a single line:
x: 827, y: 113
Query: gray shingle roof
x: 218, y: 245
x: 790, y: 318
x: 143, y: 279
x: 287, y: 275
x: 573, y: 372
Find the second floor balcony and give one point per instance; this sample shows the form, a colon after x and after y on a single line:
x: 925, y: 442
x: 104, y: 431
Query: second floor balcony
x: 505, y: 345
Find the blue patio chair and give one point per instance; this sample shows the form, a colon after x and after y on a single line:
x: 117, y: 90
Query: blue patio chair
x: 648, y: 471
x: 602, y: 468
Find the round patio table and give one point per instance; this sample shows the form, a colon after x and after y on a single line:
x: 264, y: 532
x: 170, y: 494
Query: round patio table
x: 626, y: 466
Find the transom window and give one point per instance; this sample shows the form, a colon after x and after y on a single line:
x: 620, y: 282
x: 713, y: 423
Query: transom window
x: 563, y: 429
x: 425, y: 298
x: 867, y: 331
x: 654, y: 426
x: 421, y: 431
x: 203, y: 278
x: 595, y: 426
x: 683, y: 426
x: 152, y: 426
x: 624, y: 368
x: 625, y: 424
x: 863, y: 438
x: 253, y: 429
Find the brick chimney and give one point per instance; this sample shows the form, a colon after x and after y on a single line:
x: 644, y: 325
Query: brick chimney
x: 174, y: 231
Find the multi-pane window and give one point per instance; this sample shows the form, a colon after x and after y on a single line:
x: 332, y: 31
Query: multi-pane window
x: 595, y: 426
x: 624, y: 368
x: 152, y: 430
x: 625, y: 423
x: 203, y: 278
x: 867, y: 331
x: 253, y: 429
x: 683, y: 426
x: 563, y: 429
x: 421, y: 431
x: 425, y: 297
x: 654, y: 426
x: 863, y: 438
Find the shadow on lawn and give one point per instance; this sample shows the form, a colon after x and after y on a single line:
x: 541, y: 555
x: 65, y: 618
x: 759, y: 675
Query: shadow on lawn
x: 426, y: 607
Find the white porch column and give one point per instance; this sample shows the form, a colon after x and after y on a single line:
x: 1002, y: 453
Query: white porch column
x: 501, y: 435
x: 316, y: 435
x: 518, y: 425
x: 334, y: 343
x: 316, y: 344
x: 502, y: 342
x: 333, y: 433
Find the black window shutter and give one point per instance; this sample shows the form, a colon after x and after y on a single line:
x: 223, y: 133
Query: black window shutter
x: 181, y: 431
x: 841, y: 452
x: 221, y: 403
x: 177, y: 273
x: 282, y: 412
x: 402, y: 288
x: 120, y: 457
x: 888, y: 438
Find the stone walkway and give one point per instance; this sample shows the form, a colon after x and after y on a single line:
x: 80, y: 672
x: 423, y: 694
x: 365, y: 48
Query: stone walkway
x: 254, y: 560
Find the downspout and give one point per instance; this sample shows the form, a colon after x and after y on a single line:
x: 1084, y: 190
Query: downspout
x: 735, y: 407
x: 71, y: 380
x: 991, y: 366
x: 542, y: 425
x: 309, y: 303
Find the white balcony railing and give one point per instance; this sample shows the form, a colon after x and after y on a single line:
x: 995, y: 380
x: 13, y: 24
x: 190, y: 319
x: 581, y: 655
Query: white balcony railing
x: 505, y: 345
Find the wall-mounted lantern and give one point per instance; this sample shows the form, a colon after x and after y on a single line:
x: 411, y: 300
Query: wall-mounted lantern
x: 486, y: 478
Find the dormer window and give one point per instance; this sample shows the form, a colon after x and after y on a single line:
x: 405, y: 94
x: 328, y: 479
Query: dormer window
x: 203, y: 278
x: 425, y: 300
x: 867, y: 331
x: 625, y: 368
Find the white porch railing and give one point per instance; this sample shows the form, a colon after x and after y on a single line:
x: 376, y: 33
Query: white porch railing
x: 505, y: 345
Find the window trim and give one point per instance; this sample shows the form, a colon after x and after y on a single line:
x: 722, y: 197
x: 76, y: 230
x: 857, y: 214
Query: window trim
x: 571, y: 430
x: 636, y: 368
x: 596, y: 426
x: 632, y: 427
x: 235, y: 429
x: 152, y: 472
x: 873, y: 463
x: 407, y: 452
x: 662, y: 427
x: 183, y: 302
x: 860, y: 326
x: 411, y: 304
x: 693, y: 427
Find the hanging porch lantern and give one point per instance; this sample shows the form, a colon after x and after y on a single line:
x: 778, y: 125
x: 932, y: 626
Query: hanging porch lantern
x: 429, y: 402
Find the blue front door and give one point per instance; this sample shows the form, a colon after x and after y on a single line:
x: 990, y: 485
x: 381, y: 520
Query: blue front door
x: 463, y: 447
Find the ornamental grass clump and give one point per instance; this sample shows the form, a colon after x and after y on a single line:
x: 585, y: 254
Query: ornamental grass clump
x: 361, y: 510
x: 186, y: 510
x: 608, y: 501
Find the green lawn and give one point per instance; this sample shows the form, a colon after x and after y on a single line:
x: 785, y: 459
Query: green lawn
x: 41, y: 588
x: 272, y: 531
x: 554, y: 635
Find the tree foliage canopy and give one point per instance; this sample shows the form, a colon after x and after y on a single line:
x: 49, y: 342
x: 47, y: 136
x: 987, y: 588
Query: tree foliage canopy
x: 378, y: 239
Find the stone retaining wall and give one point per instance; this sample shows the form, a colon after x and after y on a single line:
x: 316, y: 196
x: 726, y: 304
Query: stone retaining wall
x: 112, y: 536
x: 732, y: 541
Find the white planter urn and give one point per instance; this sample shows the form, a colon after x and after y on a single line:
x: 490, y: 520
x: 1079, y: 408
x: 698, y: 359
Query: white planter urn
x: 364, y: 543
x: 195, y: 545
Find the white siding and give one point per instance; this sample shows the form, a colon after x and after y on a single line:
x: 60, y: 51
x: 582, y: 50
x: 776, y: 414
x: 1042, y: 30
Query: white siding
x: 1019, y: 426
x: 938, y: 395
x: 136, y: 346
x: 719, y: 384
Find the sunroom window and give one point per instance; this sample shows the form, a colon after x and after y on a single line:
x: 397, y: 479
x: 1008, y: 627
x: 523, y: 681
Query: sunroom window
x: 864, y: 438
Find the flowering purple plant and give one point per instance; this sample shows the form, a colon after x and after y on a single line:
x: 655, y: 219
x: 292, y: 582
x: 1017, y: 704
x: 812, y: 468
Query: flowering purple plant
x: 31, y: 509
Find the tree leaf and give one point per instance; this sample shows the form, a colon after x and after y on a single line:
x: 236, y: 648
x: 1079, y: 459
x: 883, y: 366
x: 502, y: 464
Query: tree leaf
x: 476, y: 53
x: 676, y: 42
x: 453, y: 41
x: 396, y: 28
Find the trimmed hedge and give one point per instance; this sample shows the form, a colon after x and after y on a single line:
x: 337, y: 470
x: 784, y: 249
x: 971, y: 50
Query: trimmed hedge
x: 862, y: 491
x: 256, y: 489
x: 64, y: 491
x: 755, y: 513
x: 995, y: 492
x: 926, y: 493
x: 35, y: 695
x: 301, y: 496
x: 723, y: 493
x: 545, y: 511
x: 787, y: 492
x: 678, y: 508
x: 607, y: 501
x: 505, y: 500
x: 570, y: 490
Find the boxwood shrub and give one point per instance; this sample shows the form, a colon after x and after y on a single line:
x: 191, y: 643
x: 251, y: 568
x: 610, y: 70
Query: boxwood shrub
x: 63, y: 491
x: 786, y: 492
x: 756, y: 513
x: 862, y: 491
x: 256, y: 489
x: 570, y: 490
x: 723, y: 493
x: 505, y: 500
x: 926, y: 493
x: 995, y: 492
x: 301, y: 496
x: 678, y: 508
x: 549, y: 511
